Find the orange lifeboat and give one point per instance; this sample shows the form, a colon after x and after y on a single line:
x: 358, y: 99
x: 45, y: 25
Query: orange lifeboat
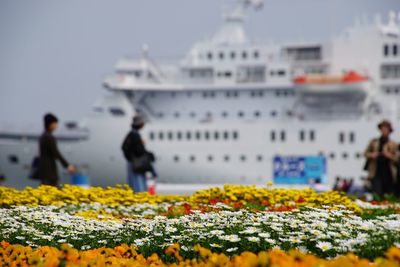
x: 349, y: 77
x: 351, y: 84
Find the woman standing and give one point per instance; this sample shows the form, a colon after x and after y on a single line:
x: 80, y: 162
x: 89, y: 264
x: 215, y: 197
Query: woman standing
x: 382, y: 158
x: 49, y: 153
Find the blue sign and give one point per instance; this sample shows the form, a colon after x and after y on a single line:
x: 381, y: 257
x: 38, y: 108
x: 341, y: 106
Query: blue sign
x: 298, y: 170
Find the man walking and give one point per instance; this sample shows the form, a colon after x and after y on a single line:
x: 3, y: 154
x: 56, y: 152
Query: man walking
x: 49, y: 153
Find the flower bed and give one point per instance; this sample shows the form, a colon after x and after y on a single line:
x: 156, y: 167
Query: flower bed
x: 229, y: 225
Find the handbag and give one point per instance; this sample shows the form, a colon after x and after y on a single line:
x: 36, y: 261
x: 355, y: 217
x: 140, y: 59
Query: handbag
x: 366, y: 165
x: 141, y: 163
x: 34, y: 169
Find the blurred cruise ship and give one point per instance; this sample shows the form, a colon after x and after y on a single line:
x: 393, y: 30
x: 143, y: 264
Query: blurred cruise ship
x: 233, y: 111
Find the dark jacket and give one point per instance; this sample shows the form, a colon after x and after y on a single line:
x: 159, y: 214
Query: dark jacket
x: 48, y: 154
x: 133, y: 145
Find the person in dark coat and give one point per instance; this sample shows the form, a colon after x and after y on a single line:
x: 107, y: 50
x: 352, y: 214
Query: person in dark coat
x: 49, y: 153
x: 134, y: 150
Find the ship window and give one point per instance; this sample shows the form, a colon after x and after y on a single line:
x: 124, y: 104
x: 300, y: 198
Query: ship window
x: 390, y: 71
x: 332, y: 155
x: 395, y: 50
x: 176, y: 114
x: 244, y: 54
x: 198, y: 135
x: 241, y: 114
x: 176, y: 158
x: 345, y: 155
x: 386, y: 50
x: 226, y: 157
x: 235, y: 135
x: 233, y: 55
x: 273, y: 113
x: 358, y: 155
x: 170, y: 135
x: 352, y: 137
x: 161, y: 135
x: 216, y: 135
x: 243, y: 158
x: 225, y: 114
x: 173, y: 94
x: 221, y: 55
x: 302, y: 135
x: 272, y: 73
x: 257, y: 113
x: 341, y: 137
x: 206, y: 135
x: 228, y: 74
x: 226, y: 135
x: 179, y: 135
x: 273, y: 136
x: 188, y: 135
x: 117, y: 111
x: 210, y: 158
x: 13, y: 159
x: 98, y: 109
x: 160, y: 115
x: 256, y: 54
x: 151, y: 136
x: 312, y: 135
x: 281, y: 72
x: 192, y: 114
x: 259, y: 157
x: 283, y: 135
x: 209, y: 55
x: 192, y: 158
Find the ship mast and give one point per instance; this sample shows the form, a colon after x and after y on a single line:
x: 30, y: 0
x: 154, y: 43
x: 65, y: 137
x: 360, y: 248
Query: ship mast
x: 232, y: 31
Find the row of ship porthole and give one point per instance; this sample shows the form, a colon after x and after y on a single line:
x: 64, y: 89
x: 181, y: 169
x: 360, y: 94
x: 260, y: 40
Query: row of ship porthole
x: 216, y: 135
x: 390, y: 50
x: 391, y: 90
x: 231, y: 94
x: 221, y: 55
x: 259, y: 158
x: 224, y: 114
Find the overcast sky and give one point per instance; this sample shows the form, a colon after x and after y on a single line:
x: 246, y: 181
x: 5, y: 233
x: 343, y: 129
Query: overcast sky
x: 55, y: 53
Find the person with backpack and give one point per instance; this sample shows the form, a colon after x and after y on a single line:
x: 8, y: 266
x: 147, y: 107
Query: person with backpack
x: 48, y: 154
x: 139, y: 160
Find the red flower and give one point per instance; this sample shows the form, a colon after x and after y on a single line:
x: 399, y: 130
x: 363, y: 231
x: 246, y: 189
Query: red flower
x: 213, y: 201
x: 300, y: 200
x: 238, y: 205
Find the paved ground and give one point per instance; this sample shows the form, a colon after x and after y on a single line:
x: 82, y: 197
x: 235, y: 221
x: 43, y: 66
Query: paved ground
x: 186, y: 189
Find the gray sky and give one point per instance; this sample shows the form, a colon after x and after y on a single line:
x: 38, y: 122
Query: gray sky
x: 55, y: 53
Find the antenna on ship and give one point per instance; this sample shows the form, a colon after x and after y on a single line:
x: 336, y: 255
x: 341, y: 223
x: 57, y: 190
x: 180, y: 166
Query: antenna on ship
x: 232, y: 31
x: 145, y: 50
